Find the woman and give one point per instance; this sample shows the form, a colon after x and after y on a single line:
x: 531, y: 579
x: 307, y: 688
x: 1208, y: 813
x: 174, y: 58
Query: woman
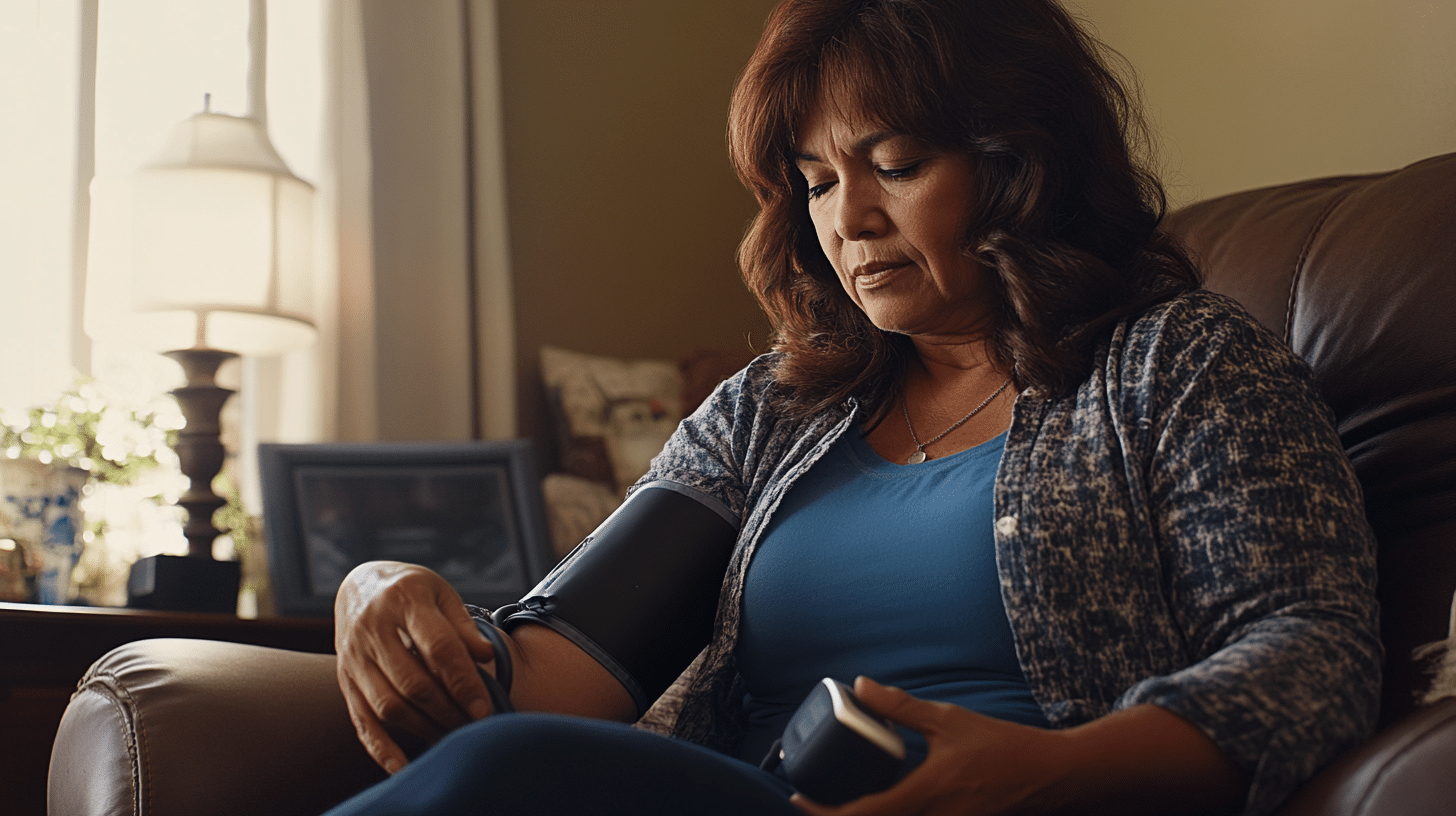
x: 1005, y: 455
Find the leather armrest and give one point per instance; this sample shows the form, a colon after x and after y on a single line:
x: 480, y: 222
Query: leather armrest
x: 1405, y: 769
x: 181, y: 727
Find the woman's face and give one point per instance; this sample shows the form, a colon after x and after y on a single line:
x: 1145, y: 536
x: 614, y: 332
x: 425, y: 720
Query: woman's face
x: 891, y: 213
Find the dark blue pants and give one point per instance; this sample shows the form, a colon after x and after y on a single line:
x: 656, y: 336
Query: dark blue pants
x: 545, y: 765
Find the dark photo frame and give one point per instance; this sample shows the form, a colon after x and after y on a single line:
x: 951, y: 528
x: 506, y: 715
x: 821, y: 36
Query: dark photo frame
x: 471, y: 511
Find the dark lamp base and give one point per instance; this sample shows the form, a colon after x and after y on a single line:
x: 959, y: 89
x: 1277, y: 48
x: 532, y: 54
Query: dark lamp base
x: 179, y: 583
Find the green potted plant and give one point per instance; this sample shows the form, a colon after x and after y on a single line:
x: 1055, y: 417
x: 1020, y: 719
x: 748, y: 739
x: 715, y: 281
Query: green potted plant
x: 52, y: 456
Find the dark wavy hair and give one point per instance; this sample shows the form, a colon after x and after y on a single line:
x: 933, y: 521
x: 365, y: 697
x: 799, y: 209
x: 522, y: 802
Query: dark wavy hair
x: 1067, y: 219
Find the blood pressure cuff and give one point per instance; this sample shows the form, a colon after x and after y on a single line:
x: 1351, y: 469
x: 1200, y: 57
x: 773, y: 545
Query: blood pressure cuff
x: 640, y: 593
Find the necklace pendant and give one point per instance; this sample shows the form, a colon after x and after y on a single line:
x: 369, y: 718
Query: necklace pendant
x: 919, y: 455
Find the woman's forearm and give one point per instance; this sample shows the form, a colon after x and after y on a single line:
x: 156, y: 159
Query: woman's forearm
x: 1145, y: 759
x: 408, y: 658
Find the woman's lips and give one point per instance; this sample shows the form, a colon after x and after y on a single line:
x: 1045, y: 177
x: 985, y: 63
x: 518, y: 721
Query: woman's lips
x: 868, y: 276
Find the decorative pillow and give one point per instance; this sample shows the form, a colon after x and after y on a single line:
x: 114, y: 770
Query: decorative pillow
x: 612, y: 416
x: 574, y: 507
x: 1441, y: 658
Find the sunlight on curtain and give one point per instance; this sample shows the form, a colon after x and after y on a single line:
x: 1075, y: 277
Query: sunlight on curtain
x: 155, y: 61
x: 39, y: 59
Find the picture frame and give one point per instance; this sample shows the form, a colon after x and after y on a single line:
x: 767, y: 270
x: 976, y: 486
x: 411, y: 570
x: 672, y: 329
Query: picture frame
x: 470, y: 510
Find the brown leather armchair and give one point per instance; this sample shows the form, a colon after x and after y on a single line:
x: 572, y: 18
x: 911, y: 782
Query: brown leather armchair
x: 1358, y: 274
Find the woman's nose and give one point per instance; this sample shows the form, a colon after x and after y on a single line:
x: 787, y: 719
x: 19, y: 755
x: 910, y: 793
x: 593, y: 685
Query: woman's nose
x: 859, y: 215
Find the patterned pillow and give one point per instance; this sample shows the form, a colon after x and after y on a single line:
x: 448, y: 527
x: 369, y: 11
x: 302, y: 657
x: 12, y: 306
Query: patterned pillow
x: 612, y: 416
x: 574, y: 507
x: 1441, y: 663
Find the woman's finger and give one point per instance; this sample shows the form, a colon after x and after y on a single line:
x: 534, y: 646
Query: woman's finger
x: 410, y: 684
x: 394, y: 710
x: 407, y: 621
x: 407, y: 652
x: 951, y: 778
x: 903, y: 708
x: 372, y: 734
x: 909, y: 795
x: 450, y: 647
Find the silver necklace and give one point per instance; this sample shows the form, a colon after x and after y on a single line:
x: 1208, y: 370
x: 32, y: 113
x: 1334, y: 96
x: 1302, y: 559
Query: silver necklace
x: 919, y: 455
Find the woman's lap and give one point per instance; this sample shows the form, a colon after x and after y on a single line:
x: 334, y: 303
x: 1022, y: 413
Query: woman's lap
x: 543, y: 764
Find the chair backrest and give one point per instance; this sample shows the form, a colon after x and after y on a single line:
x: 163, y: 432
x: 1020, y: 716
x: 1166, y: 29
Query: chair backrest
x: 1358, y: 275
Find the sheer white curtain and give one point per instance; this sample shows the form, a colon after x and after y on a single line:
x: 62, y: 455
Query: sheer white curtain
x: 324, y: 392
x: 94, y: 87
x: 44, y: 168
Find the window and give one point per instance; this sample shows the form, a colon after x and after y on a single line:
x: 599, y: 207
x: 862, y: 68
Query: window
x: 94, y: 88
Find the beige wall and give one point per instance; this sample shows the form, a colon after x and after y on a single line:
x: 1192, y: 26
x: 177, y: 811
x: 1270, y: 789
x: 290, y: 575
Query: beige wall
x: 624, y: 213
x: 1247, y: 93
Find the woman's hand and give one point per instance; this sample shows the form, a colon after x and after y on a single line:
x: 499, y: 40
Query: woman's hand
x: 1139, y: 760
x: 975, y: 764
x: 407, y: 657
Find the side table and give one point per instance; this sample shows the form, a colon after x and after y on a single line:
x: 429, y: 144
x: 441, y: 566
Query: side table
x: 44, y: 651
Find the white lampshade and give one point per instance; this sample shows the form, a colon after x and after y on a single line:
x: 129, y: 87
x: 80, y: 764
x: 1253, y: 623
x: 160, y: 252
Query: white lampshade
x: 208, y: 246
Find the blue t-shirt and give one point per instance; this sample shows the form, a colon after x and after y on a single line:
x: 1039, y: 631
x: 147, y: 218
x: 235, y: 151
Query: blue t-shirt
x: 884, y: 570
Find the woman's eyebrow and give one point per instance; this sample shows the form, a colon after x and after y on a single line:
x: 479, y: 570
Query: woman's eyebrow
x: 863, y: 144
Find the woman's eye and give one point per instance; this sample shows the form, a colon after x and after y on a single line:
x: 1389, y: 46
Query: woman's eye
x: 905, y: 172
x: 817, y: 190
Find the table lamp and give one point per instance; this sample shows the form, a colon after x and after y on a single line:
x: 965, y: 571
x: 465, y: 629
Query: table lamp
x: 204, y: 254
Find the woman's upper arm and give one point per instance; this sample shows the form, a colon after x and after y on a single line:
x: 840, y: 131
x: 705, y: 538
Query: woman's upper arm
x: 553, y: 674
x: 1257, y: 506
x: 1270, y: 564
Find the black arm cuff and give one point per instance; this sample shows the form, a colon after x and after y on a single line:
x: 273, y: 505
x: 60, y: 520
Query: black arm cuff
x: 640, y: 594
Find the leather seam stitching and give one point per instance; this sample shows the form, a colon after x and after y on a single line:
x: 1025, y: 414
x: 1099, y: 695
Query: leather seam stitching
x: 140, y: 757
x: 1299, y: 265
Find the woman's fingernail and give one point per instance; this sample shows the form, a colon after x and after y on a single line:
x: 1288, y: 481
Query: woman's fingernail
x: 392, y: 766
